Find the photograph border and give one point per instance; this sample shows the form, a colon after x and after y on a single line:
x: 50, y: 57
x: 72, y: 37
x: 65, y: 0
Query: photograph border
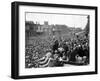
x: 15, y: 39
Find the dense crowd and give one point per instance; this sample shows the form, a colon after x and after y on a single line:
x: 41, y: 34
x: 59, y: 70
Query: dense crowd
x: 57, y: 52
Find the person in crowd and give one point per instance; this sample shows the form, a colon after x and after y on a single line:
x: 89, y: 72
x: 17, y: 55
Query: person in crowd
x: 60, y: 51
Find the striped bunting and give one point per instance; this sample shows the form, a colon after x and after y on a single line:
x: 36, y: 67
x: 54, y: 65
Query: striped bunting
x: 44, y: 62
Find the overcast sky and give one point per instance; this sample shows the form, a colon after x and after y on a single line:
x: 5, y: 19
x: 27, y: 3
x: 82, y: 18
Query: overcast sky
x: 78, y: 21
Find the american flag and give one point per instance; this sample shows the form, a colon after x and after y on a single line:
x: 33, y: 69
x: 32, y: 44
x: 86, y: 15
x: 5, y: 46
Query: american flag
x: 44, y: 61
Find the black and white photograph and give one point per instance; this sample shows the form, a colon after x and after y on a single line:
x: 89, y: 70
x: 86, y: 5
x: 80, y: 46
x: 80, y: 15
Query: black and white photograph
x: 56, y: 40
x: 50, y: 40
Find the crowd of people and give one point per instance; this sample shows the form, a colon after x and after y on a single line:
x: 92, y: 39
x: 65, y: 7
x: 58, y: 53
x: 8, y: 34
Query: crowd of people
x: 55, y: 53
